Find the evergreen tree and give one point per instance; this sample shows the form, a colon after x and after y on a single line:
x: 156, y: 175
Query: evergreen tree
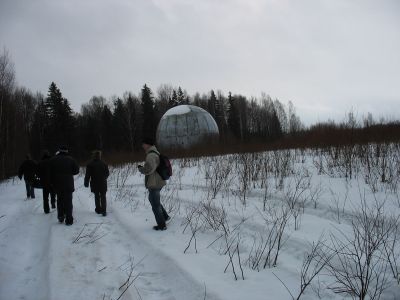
x: 233, y: 117
x: 131, y: 121
x: 118, y: 125
x: 147, y: 103
x: 61, y: 121
x: 242, y: 113
x: 107, y: 129
x: 181, y: 98
x: 173, y: 100
x: 220, y: 111
x: 39, y: 127
x: 212, y: 104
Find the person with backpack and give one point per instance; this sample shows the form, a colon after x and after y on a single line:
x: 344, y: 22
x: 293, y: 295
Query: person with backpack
x: 97, y: 173
x: 45, y: 180
x: 154, y: 182
x: 28, y: 171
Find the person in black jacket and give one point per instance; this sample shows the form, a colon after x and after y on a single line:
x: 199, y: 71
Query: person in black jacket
x: 62, y: 170
x: 28, y: 170
x: 97, y: 173
x: 43, y: 171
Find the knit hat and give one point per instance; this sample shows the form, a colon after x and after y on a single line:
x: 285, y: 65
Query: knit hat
x: 148, y: 141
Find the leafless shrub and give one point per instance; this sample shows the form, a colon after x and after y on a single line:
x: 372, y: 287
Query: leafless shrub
x: 179, y: 172
x: 90, y: 233
x: 120, y: 174
x: 192, y: 220
x: 232, y: 248
x: 218, y: 173
x: 282, y: 162
x: 339, y: 203
x: 261, y: 251
x: 213, y: 217
x: 315, y: 194
x: 360, y: 265
x: 170, y: 201
x: 266, y: 170
x: 244, y: 166
x: 268, y: 243
x: 123, y: 192
x: 281, y: 217
x: 294, y: 196
x: 313, y: 263
x: 128, y: 267
x: 392, y: 251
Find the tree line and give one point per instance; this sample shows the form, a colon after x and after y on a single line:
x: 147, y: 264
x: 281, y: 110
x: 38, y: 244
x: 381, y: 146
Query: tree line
x: 33, y: 122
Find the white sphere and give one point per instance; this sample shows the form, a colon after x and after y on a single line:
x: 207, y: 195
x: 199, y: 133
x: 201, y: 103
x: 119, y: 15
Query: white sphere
x: 185, y: 126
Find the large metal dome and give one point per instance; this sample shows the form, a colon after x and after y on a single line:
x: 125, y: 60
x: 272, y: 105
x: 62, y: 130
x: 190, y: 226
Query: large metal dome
x: 185, y: 126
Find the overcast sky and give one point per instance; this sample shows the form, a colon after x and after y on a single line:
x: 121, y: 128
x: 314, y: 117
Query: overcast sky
x: 326, y: 56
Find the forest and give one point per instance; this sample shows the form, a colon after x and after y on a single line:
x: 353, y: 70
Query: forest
x: 31, y: 122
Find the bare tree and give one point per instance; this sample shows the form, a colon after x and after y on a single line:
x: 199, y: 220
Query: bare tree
x: 313, y: 263
x: 7, y: 81
x: 360, y: 265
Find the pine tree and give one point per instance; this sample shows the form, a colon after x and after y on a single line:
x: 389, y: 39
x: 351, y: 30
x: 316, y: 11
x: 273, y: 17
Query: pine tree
x: 220, y: 112
x: 180, y: 97
x: 233, y: 117
x: 119, y: 129
x: 147, y: 102
x: 131, y: 121
x: 212, y: 104
x: 60, y: 130
x: 173, y: 100
x: 107, y: 129
x: 39, y: 126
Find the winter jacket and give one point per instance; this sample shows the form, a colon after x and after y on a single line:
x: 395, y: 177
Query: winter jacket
x: 28, y: 170
x: 43, y: 171
x: 62, y: 170
x: 152, y: 180
x: 97, y: 173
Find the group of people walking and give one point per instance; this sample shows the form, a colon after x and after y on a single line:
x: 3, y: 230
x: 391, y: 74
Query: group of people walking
x: 55, y: 175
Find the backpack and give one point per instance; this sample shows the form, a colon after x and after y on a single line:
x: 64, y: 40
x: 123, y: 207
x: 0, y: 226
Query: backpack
x: 164, y: 169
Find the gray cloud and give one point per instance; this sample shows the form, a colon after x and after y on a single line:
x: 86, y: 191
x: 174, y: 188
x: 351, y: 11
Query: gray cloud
x: 325, y: 56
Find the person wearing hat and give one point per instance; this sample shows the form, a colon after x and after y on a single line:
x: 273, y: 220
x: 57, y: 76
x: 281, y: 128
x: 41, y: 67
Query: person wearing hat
x: 153, y: 182
x: 96, y: 174
x: 62, y: 170
x: 45, y: 180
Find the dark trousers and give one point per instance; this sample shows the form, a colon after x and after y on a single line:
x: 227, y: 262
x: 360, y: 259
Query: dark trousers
x: 46, y: 192
x: 160, y: 213
x: 100, y: 201
x: 64, y: 207
x: 30, y: 191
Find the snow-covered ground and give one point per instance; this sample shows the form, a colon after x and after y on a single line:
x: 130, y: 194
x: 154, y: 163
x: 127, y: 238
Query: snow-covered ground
x: 222, y: 213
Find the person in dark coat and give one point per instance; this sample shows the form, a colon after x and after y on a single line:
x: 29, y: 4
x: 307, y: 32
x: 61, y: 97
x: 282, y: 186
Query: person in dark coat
x: 62, y: 170
x: 96, y: 174
x: 28, y: 171
x: 43, y: 171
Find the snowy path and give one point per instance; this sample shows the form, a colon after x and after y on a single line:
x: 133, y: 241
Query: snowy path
x: 42, y: 259
x: 23, y: 247
x: 93, y: 259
